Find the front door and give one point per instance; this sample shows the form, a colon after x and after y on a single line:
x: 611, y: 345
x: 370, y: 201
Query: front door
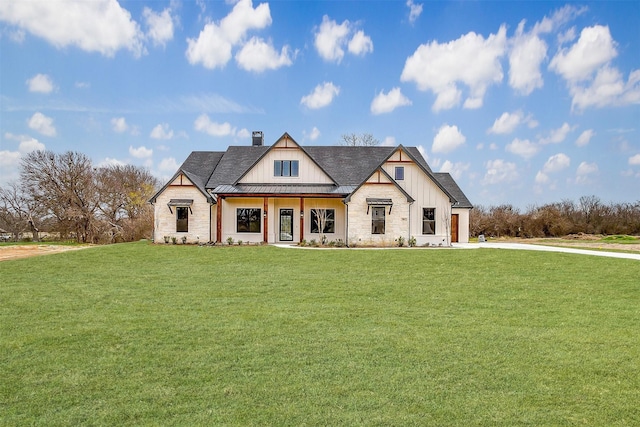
x: 454, y: 228
x: 286, y: 225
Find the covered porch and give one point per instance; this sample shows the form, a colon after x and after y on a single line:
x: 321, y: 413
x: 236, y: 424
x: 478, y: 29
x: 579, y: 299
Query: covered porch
x: 280, y: 214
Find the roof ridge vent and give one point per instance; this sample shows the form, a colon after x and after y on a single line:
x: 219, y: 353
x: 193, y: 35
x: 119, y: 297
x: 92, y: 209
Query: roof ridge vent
x: 257, y: 138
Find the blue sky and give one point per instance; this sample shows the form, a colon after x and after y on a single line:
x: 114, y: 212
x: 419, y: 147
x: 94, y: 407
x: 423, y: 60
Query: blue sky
x: 524, y: 102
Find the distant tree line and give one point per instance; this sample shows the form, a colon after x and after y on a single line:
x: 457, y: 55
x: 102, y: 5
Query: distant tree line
x: 589, y: 215
x: 66, y: 195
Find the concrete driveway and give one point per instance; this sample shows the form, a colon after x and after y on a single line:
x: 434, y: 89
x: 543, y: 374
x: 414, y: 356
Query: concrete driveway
x: 528, y: 247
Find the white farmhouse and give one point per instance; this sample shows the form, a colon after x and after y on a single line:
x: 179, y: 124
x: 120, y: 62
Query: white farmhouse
x: 287, y: 193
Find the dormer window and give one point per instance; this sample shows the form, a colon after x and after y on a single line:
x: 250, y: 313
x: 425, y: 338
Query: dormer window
x: 285, y: 168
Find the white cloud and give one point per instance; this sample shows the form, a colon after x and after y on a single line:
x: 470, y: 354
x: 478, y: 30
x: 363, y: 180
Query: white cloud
x: 567, y: 36
x: 213, y: 46
x: 556, y: 136
x: 471, y: 60
x: 455, y: 169
x: 313, y: 135
x: 331, y: 39
x: 526, y: 55
x: 42, y: 124
x: 415, y: 10
x: 499, y: 171
x: 161, y: 131
x: 634, y: 160
x: 360, y: 44
x: 592, y: 81
x: 258, y: 55
x: 108, y: 161
x: 141, y: 152
x: 386, y: 103
x: 243, y: 133
x: 584, y: 171
x: 594, y: 48
x: 168, y: 165
x: 528, y: 50
x: 321, y: 96
x: 389, y: 141
x: 523, y: 148
x: 160, y: 26
x: 556, y: 163
x: 40, y: 83
x: 9, y: 161
x: 119, y: 124
x: 101, y: 26
x: 506, y: 123
x: 541, y: 178
x: 27, y: 143
x: 204, y: 124
x: 447, y: 139
x: 608, y: 88
x: 585, y: 137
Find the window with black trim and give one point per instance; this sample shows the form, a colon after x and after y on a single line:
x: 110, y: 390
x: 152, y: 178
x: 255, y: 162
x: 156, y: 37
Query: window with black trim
x: 248, y: 220
x: 285, y: 168
x: 182, y: 219
x: 399, y: 173
x: 428, y: 220
x: 323, y: 216
x: 377, y: 220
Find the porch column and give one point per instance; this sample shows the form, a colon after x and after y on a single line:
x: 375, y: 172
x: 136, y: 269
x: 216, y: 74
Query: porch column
x: 301, y: 219
x: 219, y: 220
x: 265, y: 226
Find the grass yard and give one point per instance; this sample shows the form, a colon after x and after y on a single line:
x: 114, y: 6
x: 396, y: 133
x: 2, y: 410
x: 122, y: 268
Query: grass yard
x: 136, y: 334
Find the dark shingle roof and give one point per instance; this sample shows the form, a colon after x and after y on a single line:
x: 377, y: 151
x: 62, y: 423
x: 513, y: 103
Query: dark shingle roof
x: 198, y: 167
x: 349, y: 165
x: 235, y: 162
x: 448, y: 182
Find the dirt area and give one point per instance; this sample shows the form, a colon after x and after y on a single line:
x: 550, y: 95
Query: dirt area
x: 25, y: 251
x: 584, y: 241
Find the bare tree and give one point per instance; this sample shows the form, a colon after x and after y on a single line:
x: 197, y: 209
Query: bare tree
x: 362, y: 140
x: 19, y: 212
x: 124, y: 192
x: 320, y: 219
x: 64, y: 185
x: 446, y: 220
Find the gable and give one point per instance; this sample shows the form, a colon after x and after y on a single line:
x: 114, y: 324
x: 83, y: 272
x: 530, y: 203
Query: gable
x: 417, y: 180
x: 378, y: 178
x: 283, y: 152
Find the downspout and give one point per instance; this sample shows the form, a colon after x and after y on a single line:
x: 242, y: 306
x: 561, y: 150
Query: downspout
x: 346, y: 224
x: 153, y: 230
x: 409, y: 237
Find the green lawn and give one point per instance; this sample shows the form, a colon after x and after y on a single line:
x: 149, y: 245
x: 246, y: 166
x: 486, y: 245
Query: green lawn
x: 136, y: 334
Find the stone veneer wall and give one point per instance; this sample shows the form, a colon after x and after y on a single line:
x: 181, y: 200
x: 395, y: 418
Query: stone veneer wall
x: 396, y: 223
x: 199, y: 220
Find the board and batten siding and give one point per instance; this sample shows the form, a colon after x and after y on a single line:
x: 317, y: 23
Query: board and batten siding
x: 427, y: 194
x: 340, y: 217
x: 201, y: 220
x: 308, y: 172
x: 229, y: 218
x: 463, y: 223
